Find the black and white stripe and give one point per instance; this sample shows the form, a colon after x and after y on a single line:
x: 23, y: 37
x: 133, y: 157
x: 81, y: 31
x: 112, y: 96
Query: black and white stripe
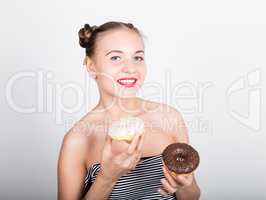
x: 140, y: 183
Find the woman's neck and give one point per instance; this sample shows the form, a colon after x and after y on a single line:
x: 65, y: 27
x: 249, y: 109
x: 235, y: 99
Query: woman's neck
x: 120, y: 107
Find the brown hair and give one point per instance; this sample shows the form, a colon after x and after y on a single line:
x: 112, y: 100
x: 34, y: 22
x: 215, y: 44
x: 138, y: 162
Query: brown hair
x: 88, y: 34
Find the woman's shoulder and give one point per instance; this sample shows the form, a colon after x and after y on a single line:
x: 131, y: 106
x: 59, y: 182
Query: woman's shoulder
x: 168, y: 118
x: 75, y: 141
x: 82, y: 135
x: 76, y: 148
x: 85, y: 130
x: 160, y: 109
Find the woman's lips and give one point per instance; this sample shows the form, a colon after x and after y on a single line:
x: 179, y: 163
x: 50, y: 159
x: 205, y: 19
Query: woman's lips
x: 127, y: 81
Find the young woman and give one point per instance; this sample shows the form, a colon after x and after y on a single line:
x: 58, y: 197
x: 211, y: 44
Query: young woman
x: 93, y: 166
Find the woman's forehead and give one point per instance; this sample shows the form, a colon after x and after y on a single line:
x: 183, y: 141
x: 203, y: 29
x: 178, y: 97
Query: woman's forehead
x: 122, y: 39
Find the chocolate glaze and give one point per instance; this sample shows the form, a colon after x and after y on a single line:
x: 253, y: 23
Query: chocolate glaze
x: 180, y: 158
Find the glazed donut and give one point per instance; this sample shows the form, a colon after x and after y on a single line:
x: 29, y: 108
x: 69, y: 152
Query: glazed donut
x: 180, y: 158
x: 126, y: 128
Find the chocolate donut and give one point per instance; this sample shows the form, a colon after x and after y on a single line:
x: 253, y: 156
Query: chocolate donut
x: 180, y: 158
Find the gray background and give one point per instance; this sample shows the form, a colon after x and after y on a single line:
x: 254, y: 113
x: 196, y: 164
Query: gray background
x: 205, y: 58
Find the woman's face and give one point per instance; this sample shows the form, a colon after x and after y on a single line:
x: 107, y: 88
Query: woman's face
x: 119, y: 62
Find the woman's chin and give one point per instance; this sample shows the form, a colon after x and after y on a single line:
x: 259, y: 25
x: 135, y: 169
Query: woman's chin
x: 127, y: 92
x: 127, y: 95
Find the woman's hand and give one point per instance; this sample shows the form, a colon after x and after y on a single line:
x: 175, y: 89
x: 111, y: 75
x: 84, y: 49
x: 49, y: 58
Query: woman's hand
x: 113, y: 166
x: 172, y: 183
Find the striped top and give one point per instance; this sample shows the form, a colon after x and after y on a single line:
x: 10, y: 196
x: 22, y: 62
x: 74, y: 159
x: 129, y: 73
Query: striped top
x: 140, y: 183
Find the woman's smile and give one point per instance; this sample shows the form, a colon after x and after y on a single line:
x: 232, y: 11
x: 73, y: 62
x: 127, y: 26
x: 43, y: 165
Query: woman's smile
x: 127, y: 81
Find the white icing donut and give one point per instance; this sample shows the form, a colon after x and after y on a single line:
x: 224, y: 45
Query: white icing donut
x: 126, y: 128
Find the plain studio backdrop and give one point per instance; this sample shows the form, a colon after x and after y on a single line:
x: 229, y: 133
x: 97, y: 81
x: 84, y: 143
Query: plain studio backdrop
x: 205, y: 58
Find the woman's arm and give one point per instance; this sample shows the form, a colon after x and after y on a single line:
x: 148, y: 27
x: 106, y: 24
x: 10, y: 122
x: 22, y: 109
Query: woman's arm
x: 191, y: 192
x: 179, y: 132
x: 72, y: 171
x: 71, y: 166
x: 100, y: 189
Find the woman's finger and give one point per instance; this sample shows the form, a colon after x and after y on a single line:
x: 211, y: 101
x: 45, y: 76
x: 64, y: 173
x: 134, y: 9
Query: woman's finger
x: 135, y: 159
x: 133, y: 144
x: 167, y: 186
x: 108, y: 143
x: 137, y: 152
x: 170, y: 179
x: 140, y: 144
x: 162, y: 192
x: 184, y: 180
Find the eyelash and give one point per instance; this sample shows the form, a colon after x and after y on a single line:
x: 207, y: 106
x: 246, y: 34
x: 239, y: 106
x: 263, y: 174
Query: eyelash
x: 141, y: 58
x: 114, y: 57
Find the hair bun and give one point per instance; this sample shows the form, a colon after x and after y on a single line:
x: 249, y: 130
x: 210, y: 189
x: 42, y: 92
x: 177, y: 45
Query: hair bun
x: 84, y: 35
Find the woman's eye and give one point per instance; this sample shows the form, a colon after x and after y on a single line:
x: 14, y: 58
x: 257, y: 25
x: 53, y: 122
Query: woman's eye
x: 139, y: 58
x: 115, y: 58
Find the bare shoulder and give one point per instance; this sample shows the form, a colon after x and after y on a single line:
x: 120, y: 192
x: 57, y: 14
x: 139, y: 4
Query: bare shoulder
x: 177, y: 124
x: 76, y: 140
x: 171, y: 120
x: 81, y: 136
x: 71, y: 169
x: 74, y: 145
x: 161, y: 109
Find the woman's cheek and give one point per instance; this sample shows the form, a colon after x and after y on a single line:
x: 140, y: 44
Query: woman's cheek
x: 106, y: 80
x: 143, y: 75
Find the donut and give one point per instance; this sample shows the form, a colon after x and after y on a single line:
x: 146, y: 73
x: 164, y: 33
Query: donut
x: 125, y: 128
x: 180, y: 158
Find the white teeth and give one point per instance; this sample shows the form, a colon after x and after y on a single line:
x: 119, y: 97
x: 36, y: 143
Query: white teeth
x: 126, y: 81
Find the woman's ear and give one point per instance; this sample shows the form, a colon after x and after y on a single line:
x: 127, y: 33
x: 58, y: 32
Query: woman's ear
x: 88, y: 62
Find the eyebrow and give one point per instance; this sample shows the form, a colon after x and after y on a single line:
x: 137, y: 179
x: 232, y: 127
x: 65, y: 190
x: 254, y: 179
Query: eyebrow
x: 118, y: 51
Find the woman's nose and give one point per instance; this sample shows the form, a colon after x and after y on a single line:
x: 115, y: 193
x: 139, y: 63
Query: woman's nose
x: 128, y: 67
